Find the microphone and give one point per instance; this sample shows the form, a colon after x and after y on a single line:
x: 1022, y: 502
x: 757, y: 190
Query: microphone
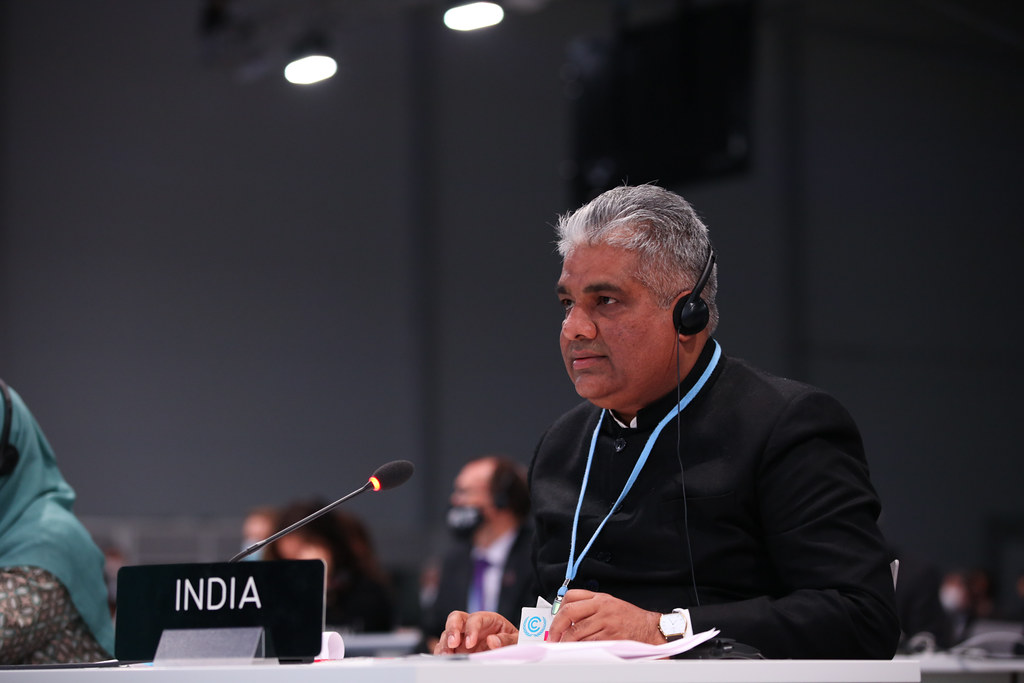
x: 388, y: 476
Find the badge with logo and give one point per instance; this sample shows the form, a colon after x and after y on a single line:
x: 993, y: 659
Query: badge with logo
x: 534, y: 622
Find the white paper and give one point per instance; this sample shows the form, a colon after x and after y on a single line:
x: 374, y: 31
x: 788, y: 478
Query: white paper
x: 599, y: 650
x: 332, y: 646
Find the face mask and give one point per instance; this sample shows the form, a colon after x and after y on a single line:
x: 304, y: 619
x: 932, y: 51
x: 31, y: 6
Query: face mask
x: 258, y: 555
x: 463, y: 520
x: 952, y: 598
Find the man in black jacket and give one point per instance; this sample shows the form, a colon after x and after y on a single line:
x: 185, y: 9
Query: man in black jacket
x: 691, y: 491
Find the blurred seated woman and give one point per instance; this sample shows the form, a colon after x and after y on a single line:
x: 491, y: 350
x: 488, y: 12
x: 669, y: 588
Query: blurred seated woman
x: 358, y: 598
x: 53, y: 599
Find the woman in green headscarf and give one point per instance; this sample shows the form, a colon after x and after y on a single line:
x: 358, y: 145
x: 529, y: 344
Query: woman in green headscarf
x: 53, y: 599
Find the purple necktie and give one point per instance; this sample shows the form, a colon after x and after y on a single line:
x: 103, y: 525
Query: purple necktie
x: 476, y: 589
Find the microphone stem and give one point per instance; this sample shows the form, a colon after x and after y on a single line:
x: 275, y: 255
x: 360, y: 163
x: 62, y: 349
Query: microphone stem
x: 305, y: 520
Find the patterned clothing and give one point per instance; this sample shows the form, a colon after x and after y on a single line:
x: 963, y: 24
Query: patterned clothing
x: 38, y: 622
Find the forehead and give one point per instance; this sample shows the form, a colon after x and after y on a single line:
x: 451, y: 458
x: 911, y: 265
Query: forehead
x: 475, y: 474
x: 601, y: 266
x: 294, y: 543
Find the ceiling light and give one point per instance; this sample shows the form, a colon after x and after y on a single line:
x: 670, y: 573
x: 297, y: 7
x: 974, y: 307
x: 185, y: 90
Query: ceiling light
x: 473, y: 15
x: 311, y: 62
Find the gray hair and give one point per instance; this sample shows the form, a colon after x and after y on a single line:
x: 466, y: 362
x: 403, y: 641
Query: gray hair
x: 670, y: 240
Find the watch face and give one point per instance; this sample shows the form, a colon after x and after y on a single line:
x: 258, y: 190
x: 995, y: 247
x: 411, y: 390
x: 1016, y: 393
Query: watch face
x: 673, y: 624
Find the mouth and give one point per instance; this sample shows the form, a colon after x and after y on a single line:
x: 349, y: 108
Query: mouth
x: 583, y: 360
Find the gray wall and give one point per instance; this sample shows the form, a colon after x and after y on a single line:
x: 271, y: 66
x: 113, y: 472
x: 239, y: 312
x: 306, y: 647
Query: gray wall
x: 217, y: 293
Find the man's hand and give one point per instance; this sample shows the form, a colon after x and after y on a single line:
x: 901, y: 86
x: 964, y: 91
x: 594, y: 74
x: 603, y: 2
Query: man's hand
x: 476, y: 632
x: 598, y: 616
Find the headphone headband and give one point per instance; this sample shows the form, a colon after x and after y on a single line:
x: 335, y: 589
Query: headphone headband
x: 704, y: 276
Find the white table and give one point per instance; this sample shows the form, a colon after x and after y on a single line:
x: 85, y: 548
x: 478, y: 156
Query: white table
x: 947, y: 668
x: 424, y: 669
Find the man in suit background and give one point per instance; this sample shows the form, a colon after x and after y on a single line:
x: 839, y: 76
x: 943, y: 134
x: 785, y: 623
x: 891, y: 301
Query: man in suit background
x: 488, y: 567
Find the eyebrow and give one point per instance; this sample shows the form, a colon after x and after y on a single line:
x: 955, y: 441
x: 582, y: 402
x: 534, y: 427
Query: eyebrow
x: 592, y: 288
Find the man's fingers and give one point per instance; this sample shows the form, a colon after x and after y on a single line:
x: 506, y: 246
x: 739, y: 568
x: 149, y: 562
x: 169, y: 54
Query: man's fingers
x: 577, y: 594
x: 501, y: 640
x: 593, y: 616
x: 466, y: 633
x: 579, y: 605
x: 470, y: 641
x: 452, y: 635
x: 447, y: 643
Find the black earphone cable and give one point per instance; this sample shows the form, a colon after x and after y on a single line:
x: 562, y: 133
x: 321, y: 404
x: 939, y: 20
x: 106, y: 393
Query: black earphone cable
x: 682, y: 475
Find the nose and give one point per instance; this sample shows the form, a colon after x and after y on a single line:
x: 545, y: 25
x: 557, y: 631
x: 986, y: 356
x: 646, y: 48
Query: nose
x: 578, y: 325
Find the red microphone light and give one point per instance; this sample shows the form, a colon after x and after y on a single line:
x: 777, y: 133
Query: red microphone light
x: 375, y: 482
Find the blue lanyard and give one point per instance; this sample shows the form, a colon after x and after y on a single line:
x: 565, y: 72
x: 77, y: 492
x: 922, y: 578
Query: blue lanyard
x: 573, y: 566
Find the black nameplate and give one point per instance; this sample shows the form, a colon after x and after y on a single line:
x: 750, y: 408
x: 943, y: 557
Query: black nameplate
x: 285, y: 597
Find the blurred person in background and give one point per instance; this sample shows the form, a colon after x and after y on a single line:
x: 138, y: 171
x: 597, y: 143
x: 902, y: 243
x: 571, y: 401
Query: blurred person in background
x: 113, y: 560
x: 358, y: 599
x: 924, y: 625
x: 1017, y: 608
x: 53, y: 597
x: 489, y: 566
x: 981, y: 593
x: 956, y: 601
x: 260, y: 523
x: 361, y: 542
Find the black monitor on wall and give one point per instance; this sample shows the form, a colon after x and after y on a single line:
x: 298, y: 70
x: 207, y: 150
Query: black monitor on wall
x: 666, y: 101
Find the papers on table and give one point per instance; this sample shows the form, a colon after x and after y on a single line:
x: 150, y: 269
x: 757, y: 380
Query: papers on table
x: 604, y: 650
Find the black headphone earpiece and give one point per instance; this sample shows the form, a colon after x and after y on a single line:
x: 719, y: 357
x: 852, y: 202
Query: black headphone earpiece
x: 691, y: 314
x: 8, y: 453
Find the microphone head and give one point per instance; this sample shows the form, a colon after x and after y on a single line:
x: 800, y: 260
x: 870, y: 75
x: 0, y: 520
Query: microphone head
x: 394, y: 473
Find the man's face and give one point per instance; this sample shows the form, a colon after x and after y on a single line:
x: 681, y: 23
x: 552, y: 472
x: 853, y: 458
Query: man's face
x: 619, y: 347
x: 472, y: 486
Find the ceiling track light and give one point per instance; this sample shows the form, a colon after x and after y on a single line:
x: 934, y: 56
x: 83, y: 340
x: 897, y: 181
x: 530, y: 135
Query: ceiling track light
x: 470, y: 16
x: 311, y: 61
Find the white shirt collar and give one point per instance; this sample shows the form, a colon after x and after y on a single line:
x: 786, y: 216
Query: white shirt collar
x: 631, y: 425
x: 496, y: 553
